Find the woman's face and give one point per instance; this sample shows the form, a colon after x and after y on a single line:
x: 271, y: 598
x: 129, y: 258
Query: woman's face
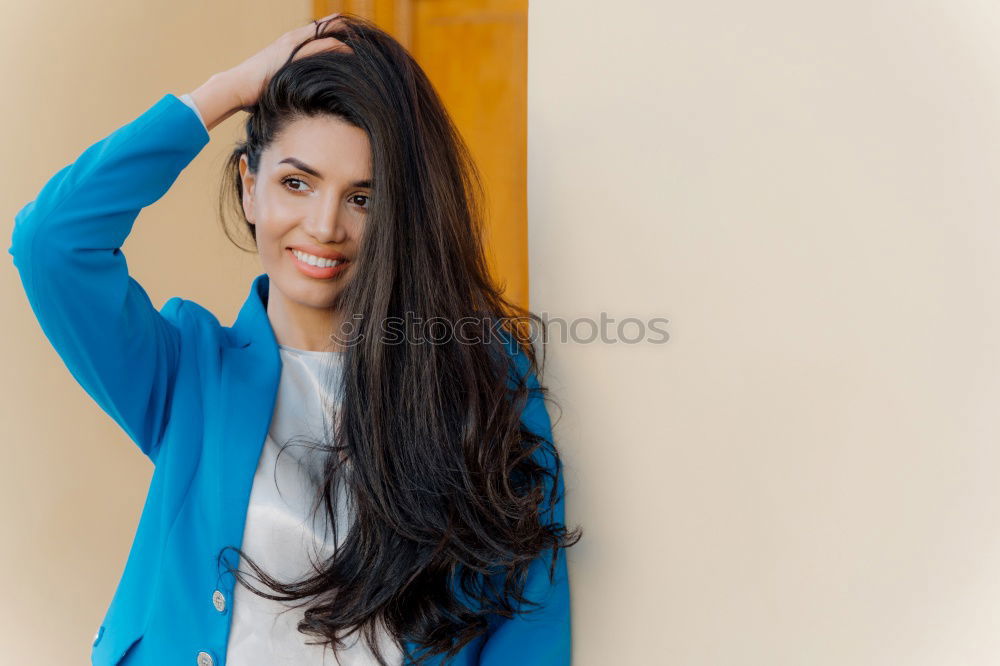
x: 310, y: 195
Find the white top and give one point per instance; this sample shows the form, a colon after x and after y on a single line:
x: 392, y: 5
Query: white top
x: 283, y: 533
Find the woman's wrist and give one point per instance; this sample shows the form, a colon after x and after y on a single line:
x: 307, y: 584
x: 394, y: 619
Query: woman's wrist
x: 217, y: 99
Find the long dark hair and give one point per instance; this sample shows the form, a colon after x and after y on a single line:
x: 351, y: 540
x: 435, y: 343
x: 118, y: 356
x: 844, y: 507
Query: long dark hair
x: 447, y: 485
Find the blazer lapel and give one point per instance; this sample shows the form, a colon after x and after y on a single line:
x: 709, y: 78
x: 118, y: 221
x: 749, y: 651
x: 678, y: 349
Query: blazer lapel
x: 250, y: 373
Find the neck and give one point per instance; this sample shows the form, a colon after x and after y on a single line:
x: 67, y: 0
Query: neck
x: 302, y: 327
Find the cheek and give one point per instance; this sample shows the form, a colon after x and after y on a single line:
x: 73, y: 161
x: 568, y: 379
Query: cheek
x: 270, y: 245
x: 357, y: 225
x: 274, y: 221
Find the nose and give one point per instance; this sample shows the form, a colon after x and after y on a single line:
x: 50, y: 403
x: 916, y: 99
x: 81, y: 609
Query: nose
x: 326, y: 222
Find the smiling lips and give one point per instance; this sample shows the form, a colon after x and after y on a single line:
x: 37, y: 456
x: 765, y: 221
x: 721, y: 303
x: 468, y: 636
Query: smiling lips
x: 317, y: 260
x: 317, y: 251
x: 318, y: 267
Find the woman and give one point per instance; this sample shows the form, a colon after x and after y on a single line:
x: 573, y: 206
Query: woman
x: 427, y: 457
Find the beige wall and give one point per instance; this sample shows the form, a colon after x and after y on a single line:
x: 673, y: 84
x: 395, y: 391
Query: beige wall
x: 72, y: 484
x: 808, y: 472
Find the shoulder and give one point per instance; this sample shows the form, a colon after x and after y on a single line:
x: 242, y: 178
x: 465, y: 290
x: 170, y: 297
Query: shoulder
x: 521, y: 370
x: 196, y: 322
x: 534, y: 415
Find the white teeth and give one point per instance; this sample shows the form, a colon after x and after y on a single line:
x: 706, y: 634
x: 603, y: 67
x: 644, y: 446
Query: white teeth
x: 316, y: 261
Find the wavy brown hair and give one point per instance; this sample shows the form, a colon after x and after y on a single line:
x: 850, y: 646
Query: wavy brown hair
x: 449, y: 490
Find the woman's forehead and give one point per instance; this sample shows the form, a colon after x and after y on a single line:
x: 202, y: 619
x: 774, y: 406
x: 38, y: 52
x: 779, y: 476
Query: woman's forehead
x: 325, y: 145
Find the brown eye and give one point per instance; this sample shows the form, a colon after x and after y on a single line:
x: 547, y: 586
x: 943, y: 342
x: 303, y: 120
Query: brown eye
x: 293, y: 180
x: 363, y: 197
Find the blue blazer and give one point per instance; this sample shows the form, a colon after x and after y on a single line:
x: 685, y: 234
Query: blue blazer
x: 197, y: 398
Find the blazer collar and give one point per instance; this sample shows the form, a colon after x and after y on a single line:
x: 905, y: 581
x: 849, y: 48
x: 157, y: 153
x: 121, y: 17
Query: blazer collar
x: 252, y: 325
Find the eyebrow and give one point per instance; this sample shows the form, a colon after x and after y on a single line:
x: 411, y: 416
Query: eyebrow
x: 299, y: 164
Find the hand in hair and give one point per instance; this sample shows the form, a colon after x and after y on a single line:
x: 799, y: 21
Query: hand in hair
x: 239, y: 88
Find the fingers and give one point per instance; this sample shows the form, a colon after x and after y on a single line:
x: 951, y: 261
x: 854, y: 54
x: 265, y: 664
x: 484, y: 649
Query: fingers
x: 337, y: 45
x: 312, y: 41
x: 312, y: 27
x: 322, y: 44
x: 323, y: 22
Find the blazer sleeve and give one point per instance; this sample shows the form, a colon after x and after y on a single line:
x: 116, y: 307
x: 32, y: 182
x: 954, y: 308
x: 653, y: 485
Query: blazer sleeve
x: 66, y: 245
x: 542, y: 637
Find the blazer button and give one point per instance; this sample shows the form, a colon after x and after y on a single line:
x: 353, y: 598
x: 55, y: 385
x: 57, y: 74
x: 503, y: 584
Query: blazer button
x: 219, y: 599
x: 205, y: 659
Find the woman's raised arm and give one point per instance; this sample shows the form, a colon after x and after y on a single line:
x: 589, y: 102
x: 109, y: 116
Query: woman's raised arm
x: 66, y: 246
